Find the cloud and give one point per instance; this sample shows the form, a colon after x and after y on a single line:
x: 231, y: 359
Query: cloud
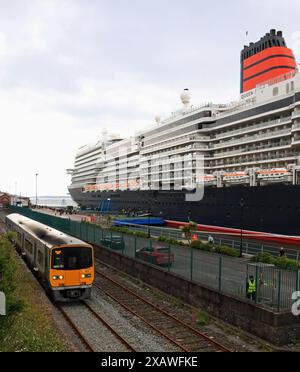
x: 70, y: 68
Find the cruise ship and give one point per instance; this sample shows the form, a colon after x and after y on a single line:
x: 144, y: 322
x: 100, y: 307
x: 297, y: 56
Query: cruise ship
x: 250, y: 151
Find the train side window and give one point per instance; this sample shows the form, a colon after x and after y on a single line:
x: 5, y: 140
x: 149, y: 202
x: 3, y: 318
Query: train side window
x: 28, y: 246
x: 40, y: 258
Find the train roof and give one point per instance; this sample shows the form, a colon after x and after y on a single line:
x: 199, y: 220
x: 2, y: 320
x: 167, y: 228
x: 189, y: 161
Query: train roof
x: 44, y: 233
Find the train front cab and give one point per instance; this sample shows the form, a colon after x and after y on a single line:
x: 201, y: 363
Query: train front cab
x: 71, y: 272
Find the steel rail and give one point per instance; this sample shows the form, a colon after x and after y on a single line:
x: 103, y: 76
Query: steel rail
x: 111, y: 329
x: 76, y: 329
x: 177, y: 320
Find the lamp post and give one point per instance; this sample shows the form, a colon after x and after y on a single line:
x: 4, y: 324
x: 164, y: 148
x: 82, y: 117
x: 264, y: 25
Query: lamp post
x: 36, y: 198
x: 148, y: 230
x: 242, y: 204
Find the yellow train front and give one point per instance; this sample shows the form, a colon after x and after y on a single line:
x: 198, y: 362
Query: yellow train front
x: 64, y: 264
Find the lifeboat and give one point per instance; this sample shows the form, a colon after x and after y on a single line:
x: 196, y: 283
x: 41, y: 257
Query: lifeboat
x: 275, y: 173
x: 238, y: 177
x: 209, y: 179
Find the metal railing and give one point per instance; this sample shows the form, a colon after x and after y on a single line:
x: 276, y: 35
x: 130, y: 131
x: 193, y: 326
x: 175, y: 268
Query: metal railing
x: 274, y: 286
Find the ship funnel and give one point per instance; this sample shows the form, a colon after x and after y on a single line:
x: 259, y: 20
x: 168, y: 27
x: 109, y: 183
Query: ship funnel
x: 185, y: 98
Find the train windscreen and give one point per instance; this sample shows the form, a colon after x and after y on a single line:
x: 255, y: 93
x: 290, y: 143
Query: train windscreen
x: 71, y: 258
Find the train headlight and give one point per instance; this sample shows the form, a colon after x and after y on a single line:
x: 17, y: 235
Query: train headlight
x: 56, y: 277
x: 86, y: 276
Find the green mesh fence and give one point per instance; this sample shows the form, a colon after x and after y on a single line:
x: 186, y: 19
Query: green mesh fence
x: 274, y: 286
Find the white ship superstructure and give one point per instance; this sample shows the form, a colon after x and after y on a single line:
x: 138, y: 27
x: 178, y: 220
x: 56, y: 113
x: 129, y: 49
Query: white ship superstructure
x: 238, y: 147
x: 249, y: 150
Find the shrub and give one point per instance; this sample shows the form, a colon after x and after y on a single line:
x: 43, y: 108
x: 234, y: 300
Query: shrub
x: 140, y: 234
x: 173, y: 241
x: 197, y: 244
x: 8, y: 267
x: 263, y: 257
x: 223, y: 249
x: 202, y: 318
x: 287, y: 263
x: 281, y: 262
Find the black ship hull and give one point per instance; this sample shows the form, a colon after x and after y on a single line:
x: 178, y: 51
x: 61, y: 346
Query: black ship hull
x: 271, y: 208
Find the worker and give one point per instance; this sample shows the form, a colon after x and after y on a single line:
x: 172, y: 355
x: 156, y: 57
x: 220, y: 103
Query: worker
x: 210, y: 240
x: 281, y: 252
x: 251, y: 288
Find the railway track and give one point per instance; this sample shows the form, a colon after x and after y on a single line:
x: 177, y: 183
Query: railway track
x: 176, y: 331
x: 83, y: 332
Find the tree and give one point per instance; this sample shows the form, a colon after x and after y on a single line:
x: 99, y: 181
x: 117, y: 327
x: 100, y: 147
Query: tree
x: 188, y: 231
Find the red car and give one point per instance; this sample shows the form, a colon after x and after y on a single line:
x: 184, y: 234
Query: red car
x: 156, y: 255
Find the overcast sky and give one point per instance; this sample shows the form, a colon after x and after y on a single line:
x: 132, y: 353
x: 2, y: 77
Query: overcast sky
x: 71, y: 68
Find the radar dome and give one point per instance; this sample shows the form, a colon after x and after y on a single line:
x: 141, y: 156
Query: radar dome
x: 185, y: 97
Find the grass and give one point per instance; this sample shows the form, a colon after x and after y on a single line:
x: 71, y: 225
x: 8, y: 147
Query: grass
x: 31, y: 327
x: 202, y: 318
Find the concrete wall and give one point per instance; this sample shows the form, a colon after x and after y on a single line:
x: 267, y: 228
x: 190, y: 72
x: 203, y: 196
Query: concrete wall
x: 278, y: 328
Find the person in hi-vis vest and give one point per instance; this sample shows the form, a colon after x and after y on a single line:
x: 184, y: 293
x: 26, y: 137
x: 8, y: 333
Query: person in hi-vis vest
x: 251, y: 288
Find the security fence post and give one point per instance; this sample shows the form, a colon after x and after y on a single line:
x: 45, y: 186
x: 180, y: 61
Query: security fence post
x: 220, y: 273
x: 110, y: 245
x: 297, y: 280
x: 135, y: 247
x: 94, y: 234
x: 80, y: 229
x: 256, y: 284
x: 297, y: 255
x: 279, y: 290
x: 169, y: 258
x: 123, y: 243
x: 192, y: 263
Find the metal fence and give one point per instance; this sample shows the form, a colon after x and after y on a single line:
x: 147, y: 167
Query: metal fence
x: 227, y: 274
x: 248, y: 246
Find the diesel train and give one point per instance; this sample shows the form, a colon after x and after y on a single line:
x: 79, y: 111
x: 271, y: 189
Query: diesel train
x: 64, y: 264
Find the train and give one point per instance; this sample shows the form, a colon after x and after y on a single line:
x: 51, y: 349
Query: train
x: 63, y: 264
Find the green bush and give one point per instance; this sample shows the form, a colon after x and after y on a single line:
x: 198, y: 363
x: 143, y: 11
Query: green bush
x: 287, y: 263
x: 8, y: 269
x: 166, y: 239
x: 263, y: 257
x: 223, y: 249
x: 124, y: 230
x: 281, y: 262
x: 197, y: 244
x: 140, y: 234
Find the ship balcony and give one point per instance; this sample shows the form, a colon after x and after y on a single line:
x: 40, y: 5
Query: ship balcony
x: 196, y: 145
x: 255, y: 127
x: 296, y: 114
x: 296, y: 127
x: 256, y: 162
x: 255, y: 138
x: 252, y: 150
x: 170, y: 143
x: 296, y: 141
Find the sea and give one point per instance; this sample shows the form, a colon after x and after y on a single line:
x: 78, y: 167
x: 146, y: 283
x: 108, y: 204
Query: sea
x: 54, y: 201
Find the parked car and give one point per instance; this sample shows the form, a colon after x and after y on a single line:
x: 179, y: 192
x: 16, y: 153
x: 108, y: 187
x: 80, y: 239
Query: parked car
x: 157, y: 255
x: 113, y: 242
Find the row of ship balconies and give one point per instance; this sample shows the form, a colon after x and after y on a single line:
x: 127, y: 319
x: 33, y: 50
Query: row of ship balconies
x: 254, y: 127
x: 199, y: 146
x: 211, y: 138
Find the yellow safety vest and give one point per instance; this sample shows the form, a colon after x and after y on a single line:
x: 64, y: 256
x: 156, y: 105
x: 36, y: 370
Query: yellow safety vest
x: 251, y: 286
